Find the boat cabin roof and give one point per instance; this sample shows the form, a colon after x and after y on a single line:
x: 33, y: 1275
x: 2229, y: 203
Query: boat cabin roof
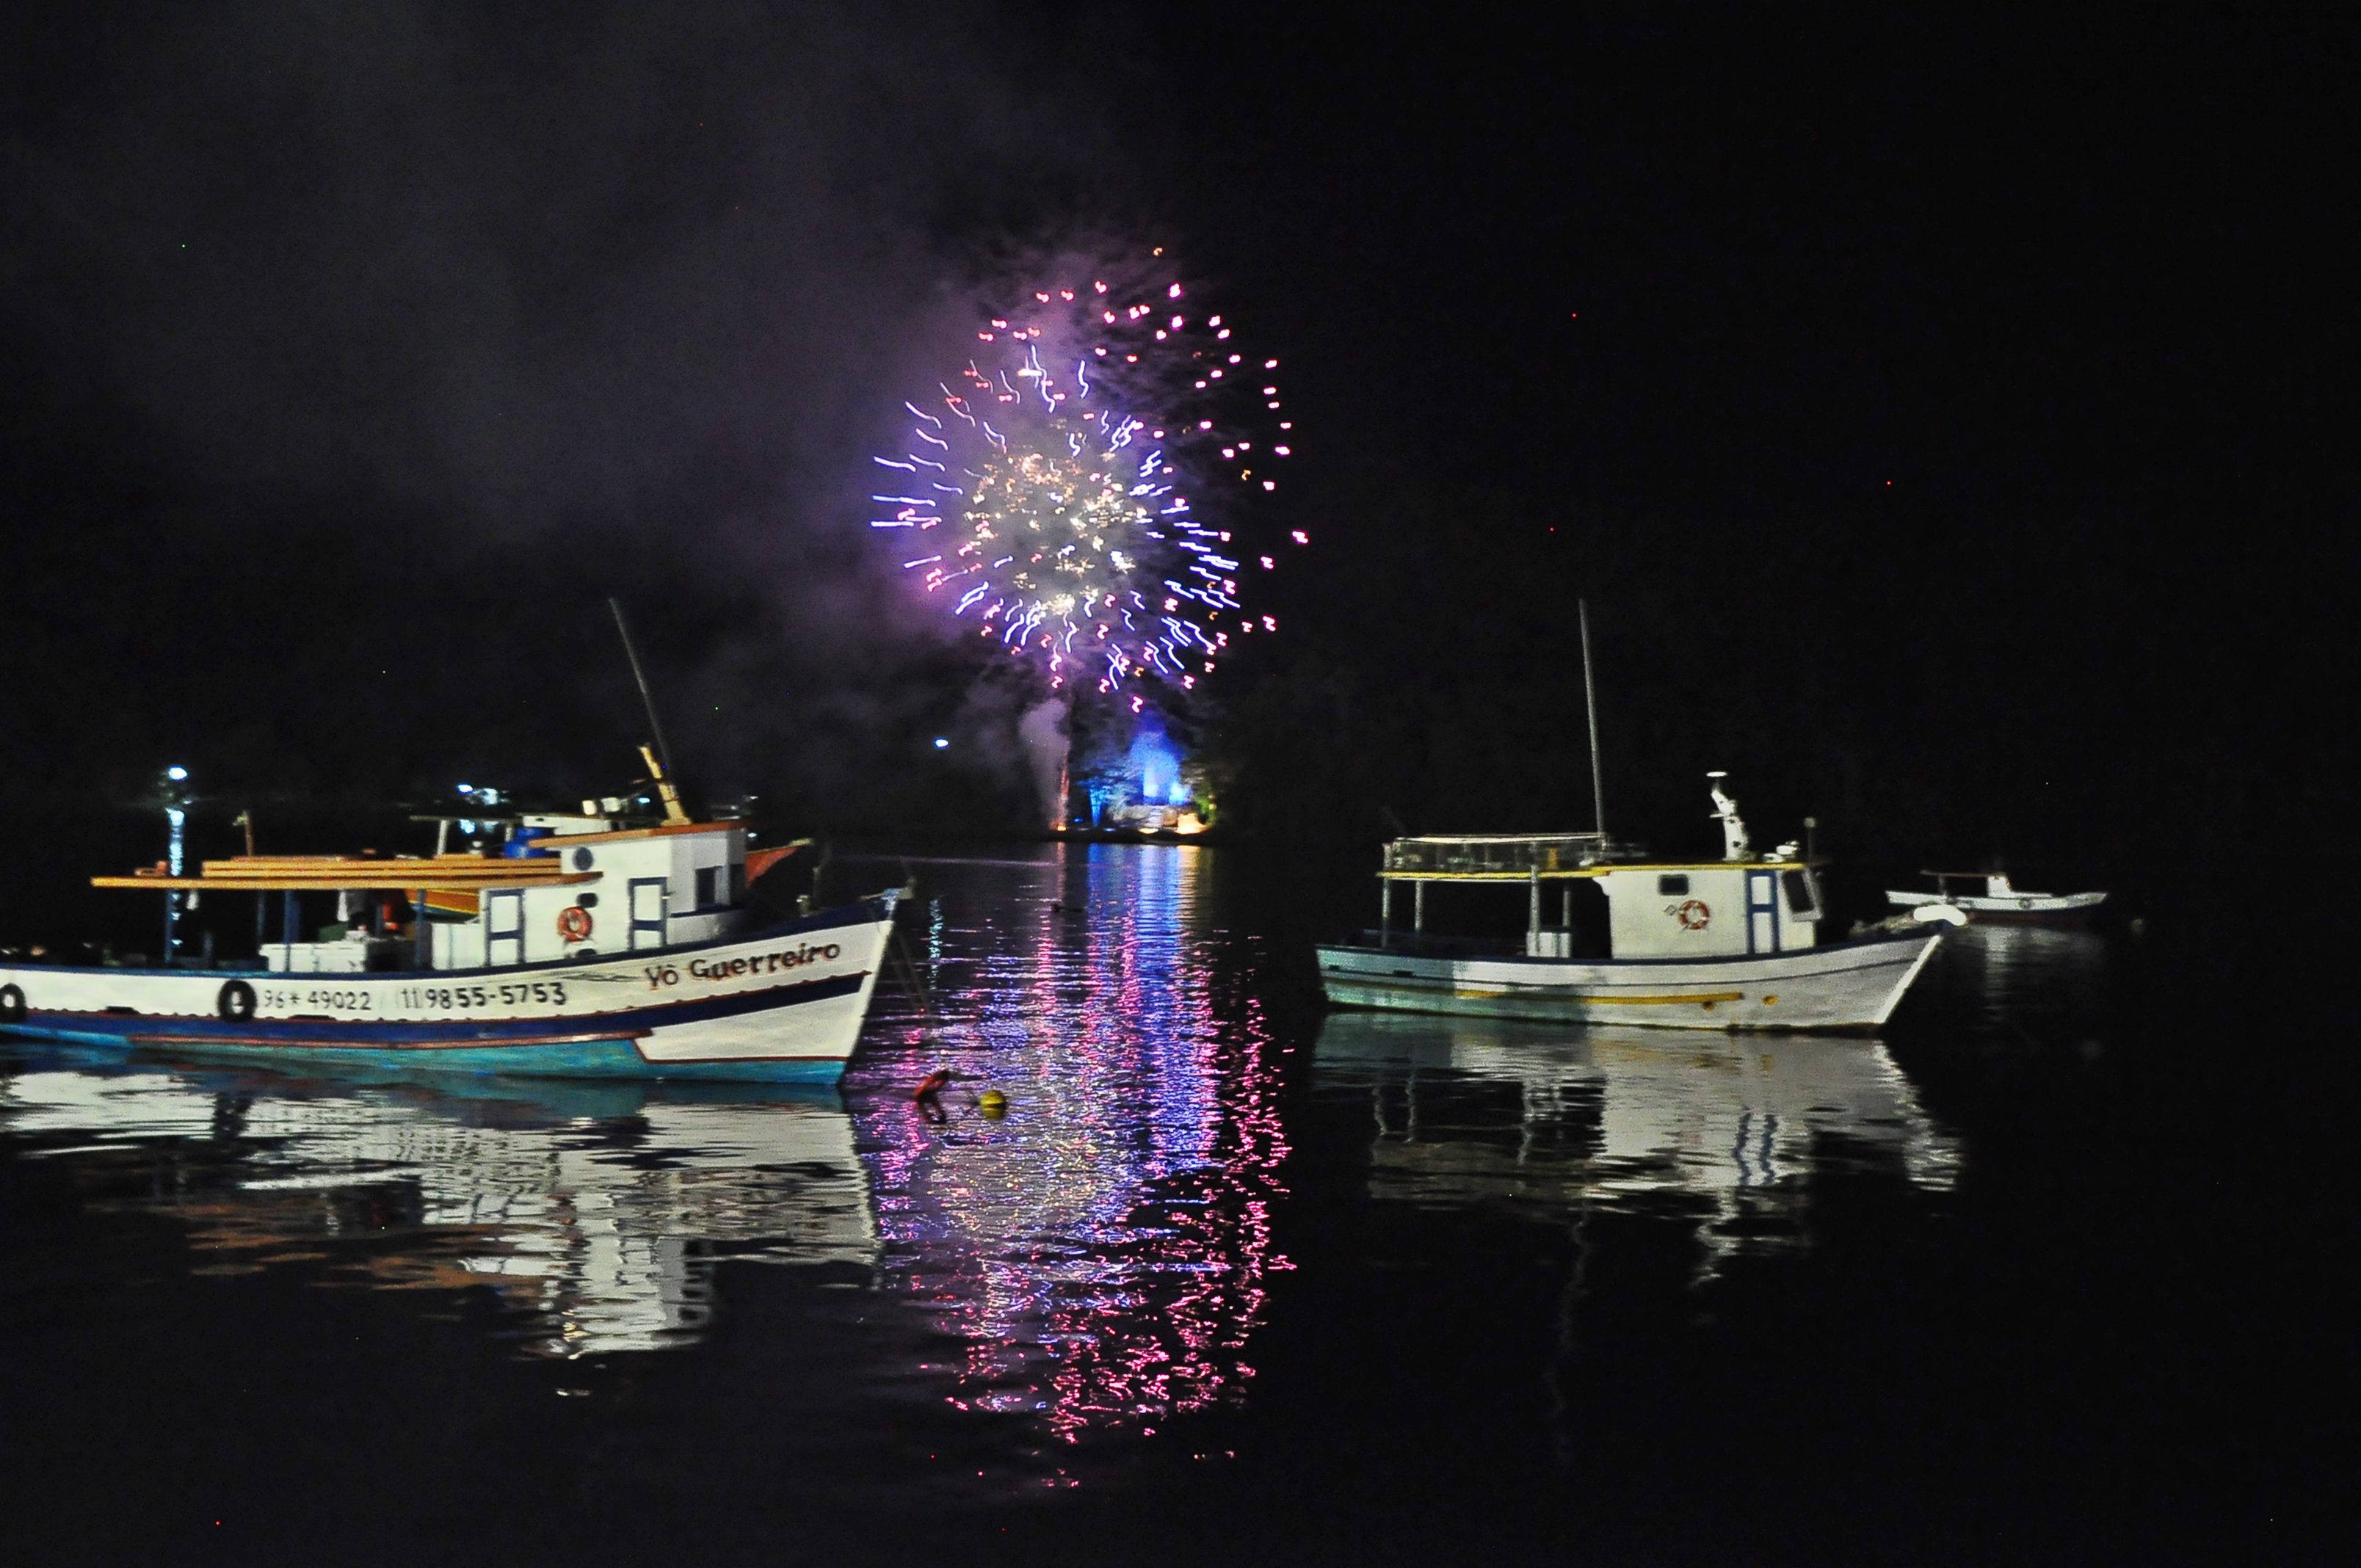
x: 397, y: 874
x: 356, y: 873
x: 1520, y: 857
x: 662, y: 831
x: 1493, y: 857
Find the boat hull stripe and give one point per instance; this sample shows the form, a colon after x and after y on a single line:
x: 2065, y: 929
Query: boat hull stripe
x: 588, y: 1056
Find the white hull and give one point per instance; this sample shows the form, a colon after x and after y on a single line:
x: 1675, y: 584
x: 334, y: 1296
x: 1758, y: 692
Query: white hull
x: 2014, y: 907
x: 1846, y: 985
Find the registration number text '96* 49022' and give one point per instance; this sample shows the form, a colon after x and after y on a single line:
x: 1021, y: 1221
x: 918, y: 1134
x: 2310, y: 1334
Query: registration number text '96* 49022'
x: 348, y: 1001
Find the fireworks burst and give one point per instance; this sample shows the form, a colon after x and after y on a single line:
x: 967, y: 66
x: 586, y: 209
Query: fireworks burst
x: 1071, y: 490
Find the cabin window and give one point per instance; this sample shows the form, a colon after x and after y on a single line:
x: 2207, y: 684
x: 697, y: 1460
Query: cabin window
x: 738, y: 883
x: 1800, y: 902
x: 1673, y: 886
x: 709, y: 886
x: 583, y: 860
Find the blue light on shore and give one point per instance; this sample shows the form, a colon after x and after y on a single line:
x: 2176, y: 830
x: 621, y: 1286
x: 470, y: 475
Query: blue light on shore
x: 940, y: 743
x: 1157, y: 761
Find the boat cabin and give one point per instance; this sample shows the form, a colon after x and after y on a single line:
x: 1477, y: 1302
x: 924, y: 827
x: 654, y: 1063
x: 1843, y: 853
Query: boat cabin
x: 1741, y: 904
x: 647, y: 887
x: 558, y: 887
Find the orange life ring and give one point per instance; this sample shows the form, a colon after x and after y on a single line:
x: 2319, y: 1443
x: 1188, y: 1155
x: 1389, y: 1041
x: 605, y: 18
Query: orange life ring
x: 1695, y: 914
x: 574, y: 923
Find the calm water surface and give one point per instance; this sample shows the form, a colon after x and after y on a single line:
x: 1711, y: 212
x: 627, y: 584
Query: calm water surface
x: 1229, y: 1276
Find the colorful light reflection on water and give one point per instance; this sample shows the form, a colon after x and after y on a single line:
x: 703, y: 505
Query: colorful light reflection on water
x: 1098, y: 1259
x: 1101, y: 1256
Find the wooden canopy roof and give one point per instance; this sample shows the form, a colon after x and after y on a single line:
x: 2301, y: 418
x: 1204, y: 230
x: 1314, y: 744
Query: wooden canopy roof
x: 351, y: 874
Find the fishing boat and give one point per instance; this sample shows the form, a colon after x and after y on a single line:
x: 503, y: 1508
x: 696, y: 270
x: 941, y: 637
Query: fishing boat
x: 598, y: 944
x: 2000, y: 902
x: 1727, y: 944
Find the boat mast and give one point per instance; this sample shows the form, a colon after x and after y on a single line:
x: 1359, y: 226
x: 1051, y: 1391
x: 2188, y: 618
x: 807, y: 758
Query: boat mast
x: 660, y: 760
x: 655, y: 725
x: 1590, y: 705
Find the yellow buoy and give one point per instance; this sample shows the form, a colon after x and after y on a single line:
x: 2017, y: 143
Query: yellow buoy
x: 991, y: 1102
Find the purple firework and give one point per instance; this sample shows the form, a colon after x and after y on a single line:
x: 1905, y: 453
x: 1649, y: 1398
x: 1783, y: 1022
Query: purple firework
x: 1072, y: 488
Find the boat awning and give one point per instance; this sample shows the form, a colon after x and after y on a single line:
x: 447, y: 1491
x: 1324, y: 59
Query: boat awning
x: 663, y: 830
x: 356, y: 873
x: 1492, y: 856
x: 1597, y: 872
x: 1553, y: 857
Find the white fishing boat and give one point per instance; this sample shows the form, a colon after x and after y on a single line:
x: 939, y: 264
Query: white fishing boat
x: 2000, y: 902
x: 579, y: 945
x: 1727, y: 944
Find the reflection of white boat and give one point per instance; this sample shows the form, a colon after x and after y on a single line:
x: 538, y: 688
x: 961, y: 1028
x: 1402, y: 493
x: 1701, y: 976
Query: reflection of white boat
x: 1728, y: 944
x: 600, y: 1210
x: 1609, y: 1117
x: 2000, y: 902
x: 499, y: 960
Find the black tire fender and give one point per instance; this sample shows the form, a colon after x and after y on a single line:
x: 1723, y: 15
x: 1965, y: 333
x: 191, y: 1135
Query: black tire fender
x: 12, y: 1005
x: 236, y: 1003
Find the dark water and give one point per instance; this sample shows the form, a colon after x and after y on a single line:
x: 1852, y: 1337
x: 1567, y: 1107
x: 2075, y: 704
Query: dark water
x: 2024, y: 1283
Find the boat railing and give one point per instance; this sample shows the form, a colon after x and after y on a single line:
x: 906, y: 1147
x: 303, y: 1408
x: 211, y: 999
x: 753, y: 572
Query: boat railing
x: 1494, y: 855
x: 1419, y: 943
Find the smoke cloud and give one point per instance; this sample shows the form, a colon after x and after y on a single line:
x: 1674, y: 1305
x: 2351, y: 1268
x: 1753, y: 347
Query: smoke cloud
x: 522, y: 266
x: 604, y: 298
x: 1043, y: 729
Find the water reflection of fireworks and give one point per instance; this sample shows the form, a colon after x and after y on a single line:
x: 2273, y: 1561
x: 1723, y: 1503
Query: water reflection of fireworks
x: 1102, y: 1254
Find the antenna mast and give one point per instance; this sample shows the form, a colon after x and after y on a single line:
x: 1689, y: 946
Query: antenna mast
x: 647, y: 701
x: 1590, y: 705
x: 659, y: 761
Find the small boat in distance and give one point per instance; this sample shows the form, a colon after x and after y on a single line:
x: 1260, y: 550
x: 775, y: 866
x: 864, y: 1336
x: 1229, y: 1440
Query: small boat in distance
x: 1728, y: 944
x: 598, y: 945
x: 2000, y: 903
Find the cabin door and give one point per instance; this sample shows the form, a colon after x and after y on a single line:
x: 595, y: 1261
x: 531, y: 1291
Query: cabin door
x: 504, y: 926
x: 1762, y: 912
x: 647, y: 902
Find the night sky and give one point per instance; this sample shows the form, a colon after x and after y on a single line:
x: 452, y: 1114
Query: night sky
x: 1946, y: 420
